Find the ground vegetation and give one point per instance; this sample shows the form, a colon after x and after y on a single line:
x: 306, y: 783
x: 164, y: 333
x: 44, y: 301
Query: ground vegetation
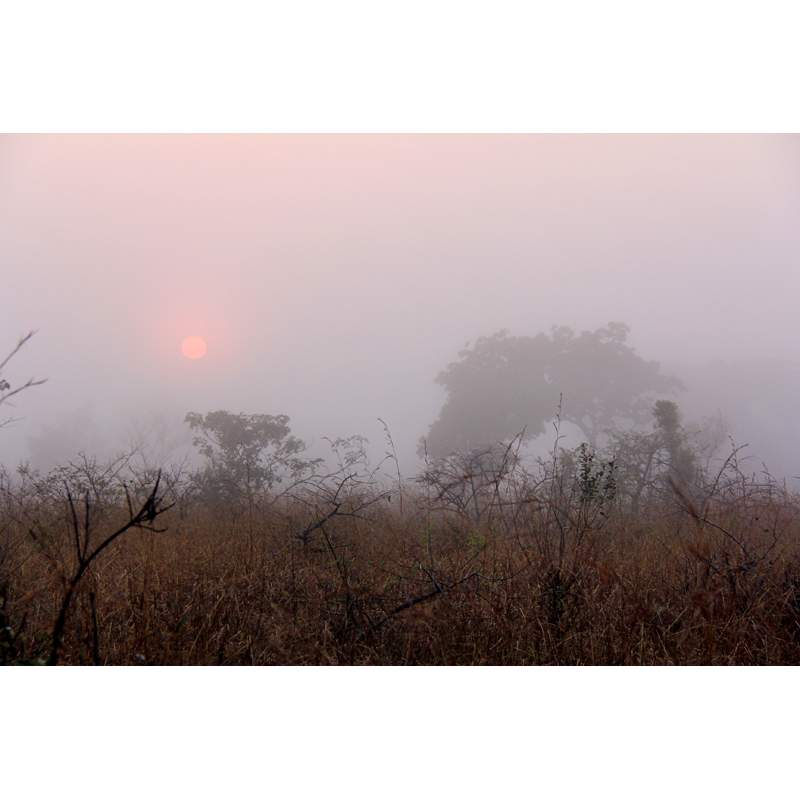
x: 557, y: 562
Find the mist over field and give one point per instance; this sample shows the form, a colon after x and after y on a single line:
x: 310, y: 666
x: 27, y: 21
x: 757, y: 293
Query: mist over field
x: 334, y: 276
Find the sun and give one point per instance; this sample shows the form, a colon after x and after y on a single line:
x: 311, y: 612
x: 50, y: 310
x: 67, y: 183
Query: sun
x: 194, y: 347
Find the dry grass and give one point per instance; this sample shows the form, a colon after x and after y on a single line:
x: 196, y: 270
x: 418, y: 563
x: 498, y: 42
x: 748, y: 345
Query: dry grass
x: 714, y: 579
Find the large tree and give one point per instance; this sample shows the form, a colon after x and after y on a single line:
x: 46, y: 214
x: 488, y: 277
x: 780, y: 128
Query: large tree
x: 504, y: 384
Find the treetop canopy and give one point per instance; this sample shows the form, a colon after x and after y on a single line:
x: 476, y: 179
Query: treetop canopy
x: 506, y: 384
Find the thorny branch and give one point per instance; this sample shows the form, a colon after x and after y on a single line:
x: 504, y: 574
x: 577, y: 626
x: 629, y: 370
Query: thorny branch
x: 151, y: 509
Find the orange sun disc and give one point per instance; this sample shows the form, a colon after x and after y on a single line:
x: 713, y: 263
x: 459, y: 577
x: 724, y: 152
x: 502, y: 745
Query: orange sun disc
x: 194, y: 347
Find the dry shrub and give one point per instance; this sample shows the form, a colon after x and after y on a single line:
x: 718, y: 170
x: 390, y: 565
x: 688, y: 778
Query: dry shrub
x: 355, y: 573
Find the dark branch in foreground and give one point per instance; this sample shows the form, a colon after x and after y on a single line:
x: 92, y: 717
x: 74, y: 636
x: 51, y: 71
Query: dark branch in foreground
x: 146, y: 514
x: 437, y: 590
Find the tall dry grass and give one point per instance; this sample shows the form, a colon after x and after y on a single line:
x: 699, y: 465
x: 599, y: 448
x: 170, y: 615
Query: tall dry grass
x: 400, y: 576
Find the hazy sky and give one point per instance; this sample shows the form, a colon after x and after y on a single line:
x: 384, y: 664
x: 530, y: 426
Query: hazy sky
x: 333, y: 276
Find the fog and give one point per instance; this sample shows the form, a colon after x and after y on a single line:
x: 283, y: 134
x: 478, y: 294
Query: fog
x: 334, y: 276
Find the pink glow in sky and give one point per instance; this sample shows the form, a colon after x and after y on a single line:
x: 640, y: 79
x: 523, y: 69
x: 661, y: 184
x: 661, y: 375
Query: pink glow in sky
x: 333, y: 276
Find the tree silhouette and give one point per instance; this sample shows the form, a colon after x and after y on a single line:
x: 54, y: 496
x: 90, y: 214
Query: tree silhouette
x: 505, y: 384
x: 245, y: 452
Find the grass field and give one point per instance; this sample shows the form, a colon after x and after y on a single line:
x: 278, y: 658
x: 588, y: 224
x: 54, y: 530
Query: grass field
x: 356, y: 571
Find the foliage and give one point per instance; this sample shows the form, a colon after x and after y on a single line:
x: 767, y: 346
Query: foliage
x: 580, y: 489
x: 644, y: 460
x: 596, y: 484
x: 505, y: 385
x: 245, y: 453
x: 682, y: 458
